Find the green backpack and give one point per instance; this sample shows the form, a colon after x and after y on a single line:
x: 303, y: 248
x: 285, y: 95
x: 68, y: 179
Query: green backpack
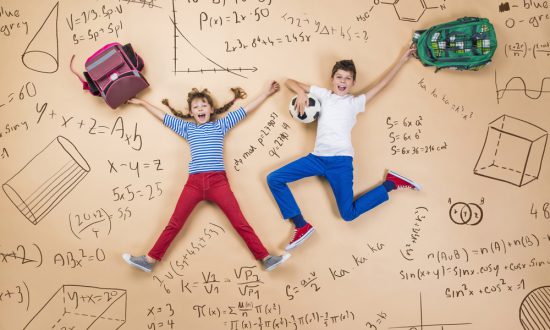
x: 465, y: 44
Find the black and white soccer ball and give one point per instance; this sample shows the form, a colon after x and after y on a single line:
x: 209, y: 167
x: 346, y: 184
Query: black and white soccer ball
x: 311, y: 112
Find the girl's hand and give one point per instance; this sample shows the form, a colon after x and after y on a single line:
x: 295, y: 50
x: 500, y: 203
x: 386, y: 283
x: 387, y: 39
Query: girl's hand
x: 135, y: 100
x: 273, y: 88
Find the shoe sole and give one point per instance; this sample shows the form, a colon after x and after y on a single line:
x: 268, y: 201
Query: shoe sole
x: 300, y: 240
x: 285, y: 258
x: 126, y: 258
x: 416, y: 185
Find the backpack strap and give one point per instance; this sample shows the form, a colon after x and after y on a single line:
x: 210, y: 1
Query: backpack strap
x: 133, y: 56
x: 85, y: 84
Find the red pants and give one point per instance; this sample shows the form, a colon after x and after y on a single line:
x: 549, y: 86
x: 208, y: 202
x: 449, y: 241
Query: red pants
x: 211, y: 186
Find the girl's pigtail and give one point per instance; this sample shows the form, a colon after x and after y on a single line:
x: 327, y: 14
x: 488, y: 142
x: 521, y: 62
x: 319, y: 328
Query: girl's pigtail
x: 176, y: 113
x: 238, y: 93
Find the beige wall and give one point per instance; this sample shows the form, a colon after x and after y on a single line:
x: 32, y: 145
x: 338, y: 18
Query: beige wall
x: 405, y: 264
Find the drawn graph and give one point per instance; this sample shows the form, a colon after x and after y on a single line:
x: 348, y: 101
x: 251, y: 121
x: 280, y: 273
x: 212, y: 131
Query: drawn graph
x: 534, y: 311
x: 422, y: 325
x: 42, y: 52
x: 46, y: 179
x: 512, y: 152
x: 518, y: 84
x: 186, y: 47
x: 82, y: 307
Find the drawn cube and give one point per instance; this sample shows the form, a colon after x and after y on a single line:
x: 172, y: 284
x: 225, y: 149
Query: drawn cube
x: 82, y: 307
x: 513, y: 151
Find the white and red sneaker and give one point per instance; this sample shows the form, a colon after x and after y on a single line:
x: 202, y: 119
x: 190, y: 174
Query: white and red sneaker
x: 401, y: 181
x: 300, y: 235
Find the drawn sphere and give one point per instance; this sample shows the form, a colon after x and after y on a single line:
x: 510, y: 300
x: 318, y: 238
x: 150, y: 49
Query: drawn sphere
x: 311, y: 112
x: 534, y: 312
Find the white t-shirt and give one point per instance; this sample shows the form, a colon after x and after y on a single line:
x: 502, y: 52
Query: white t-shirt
x: 337, y: 118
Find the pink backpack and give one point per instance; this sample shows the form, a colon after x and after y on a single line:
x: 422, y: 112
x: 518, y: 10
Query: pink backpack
x: 113, y: 72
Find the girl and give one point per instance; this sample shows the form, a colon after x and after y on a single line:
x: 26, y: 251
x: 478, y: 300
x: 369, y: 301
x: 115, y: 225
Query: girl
x: 207, y: 178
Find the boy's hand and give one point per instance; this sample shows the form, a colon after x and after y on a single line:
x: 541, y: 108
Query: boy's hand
x: 410, y: 52
x: 301, y: 103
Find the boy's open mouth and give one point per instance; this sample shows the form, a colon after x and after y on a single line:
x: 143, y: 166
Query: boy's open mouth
x: 341, y: 88
x: 202, y: 116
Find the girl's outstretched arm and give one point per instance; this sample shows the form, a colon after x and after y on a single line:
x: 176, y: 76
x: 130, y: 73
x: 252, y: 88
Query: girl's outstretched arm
x: 271, y: 89
x: 151, y: 108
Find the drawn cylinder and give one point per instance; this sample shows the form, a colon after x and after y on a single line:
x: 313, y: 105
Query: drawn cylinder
x: 46, y: 179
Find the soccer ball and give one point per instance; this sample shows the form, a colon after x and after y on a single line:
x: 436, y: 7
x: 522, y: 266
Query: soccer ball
x: 311, y: 112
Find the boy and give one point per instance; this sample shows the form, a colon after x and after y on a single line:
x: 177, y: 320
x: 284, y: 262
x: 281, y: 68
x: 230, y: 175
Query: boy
x: 333, y: 154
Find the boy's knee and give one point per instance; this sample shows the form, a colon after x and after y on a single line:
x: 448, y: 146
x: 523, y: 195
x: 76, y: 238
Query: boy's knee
x: 272, y: 178
x: 348, y: 216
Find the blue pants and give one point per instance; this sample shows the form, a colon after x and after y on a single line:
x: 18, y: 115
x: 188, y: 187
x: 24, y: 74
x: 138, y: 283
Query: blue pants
x: 338, y: 170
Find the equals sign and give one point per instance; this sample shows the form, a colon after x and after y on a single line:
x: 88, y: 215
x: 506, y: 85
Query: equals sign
x: 228, y: 18
x: 146, y: 165
x: 279, y: 40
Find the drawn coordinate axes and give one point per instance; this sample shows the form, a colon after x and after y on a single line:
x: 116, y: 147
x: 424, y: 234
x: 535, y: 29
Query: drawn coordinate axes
x: 422, y: 325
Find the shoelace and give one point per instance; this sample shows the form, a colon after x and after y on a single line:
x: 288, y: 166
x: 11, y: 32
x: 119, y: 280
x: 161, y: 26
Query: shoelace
x: 295, y: 236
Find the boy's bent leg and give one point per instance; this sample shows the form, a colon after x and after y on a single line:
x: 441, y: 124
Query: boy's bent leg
x: 340, y: 177
x: 186, y: 203
x: 222, y: 195
x: 278, y: 182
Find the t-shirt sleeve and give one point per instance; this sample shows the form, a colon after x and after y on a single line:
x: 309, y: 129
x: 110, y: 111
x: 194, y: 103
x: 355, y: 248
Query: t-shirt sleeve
x: 319, y: 93
x: 232, y: 118
x: 359, y: 103
x: 177, y: 125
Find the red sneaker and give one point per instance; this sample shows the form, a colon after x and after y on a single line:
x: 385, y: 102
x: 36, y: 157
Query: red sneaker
x: 401, y: 181
x: 300, y: 235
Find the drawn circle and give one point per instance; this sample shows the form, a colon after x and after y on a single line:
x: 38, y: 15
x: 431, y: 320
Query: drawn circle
x: 40, y: 61
x: 463, y: 213
x: 534, y: 311
x: 71, y: 150
x: 463, y: 210
x: 475, y: 206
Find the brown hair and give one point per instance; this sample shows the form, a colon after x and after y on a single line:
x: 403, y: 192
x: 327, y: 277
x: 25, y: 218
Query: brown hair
x: 346, y: 65
x: 238, y: 93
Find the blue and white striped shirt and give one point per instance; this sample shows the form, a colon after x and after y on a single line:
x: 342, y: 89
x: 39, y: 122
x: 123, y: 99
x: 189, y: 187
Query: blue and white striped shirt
x: 206, y: 140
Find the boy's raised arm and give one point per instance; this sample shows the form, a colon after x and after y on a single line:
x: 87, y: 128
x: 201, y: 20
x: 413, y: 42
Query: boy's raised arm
x: 391, y: 74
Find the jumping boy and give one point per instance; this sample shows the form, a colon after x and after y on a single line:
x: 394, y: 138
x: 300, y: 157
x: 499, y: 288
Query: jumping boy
x: 332, y: 156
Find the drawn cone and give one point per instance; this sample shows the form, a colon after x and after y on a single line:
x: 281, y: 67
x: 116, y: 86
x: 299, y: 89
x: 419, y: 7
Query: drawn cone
x: 46, y: 179
x: 42, y: 52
